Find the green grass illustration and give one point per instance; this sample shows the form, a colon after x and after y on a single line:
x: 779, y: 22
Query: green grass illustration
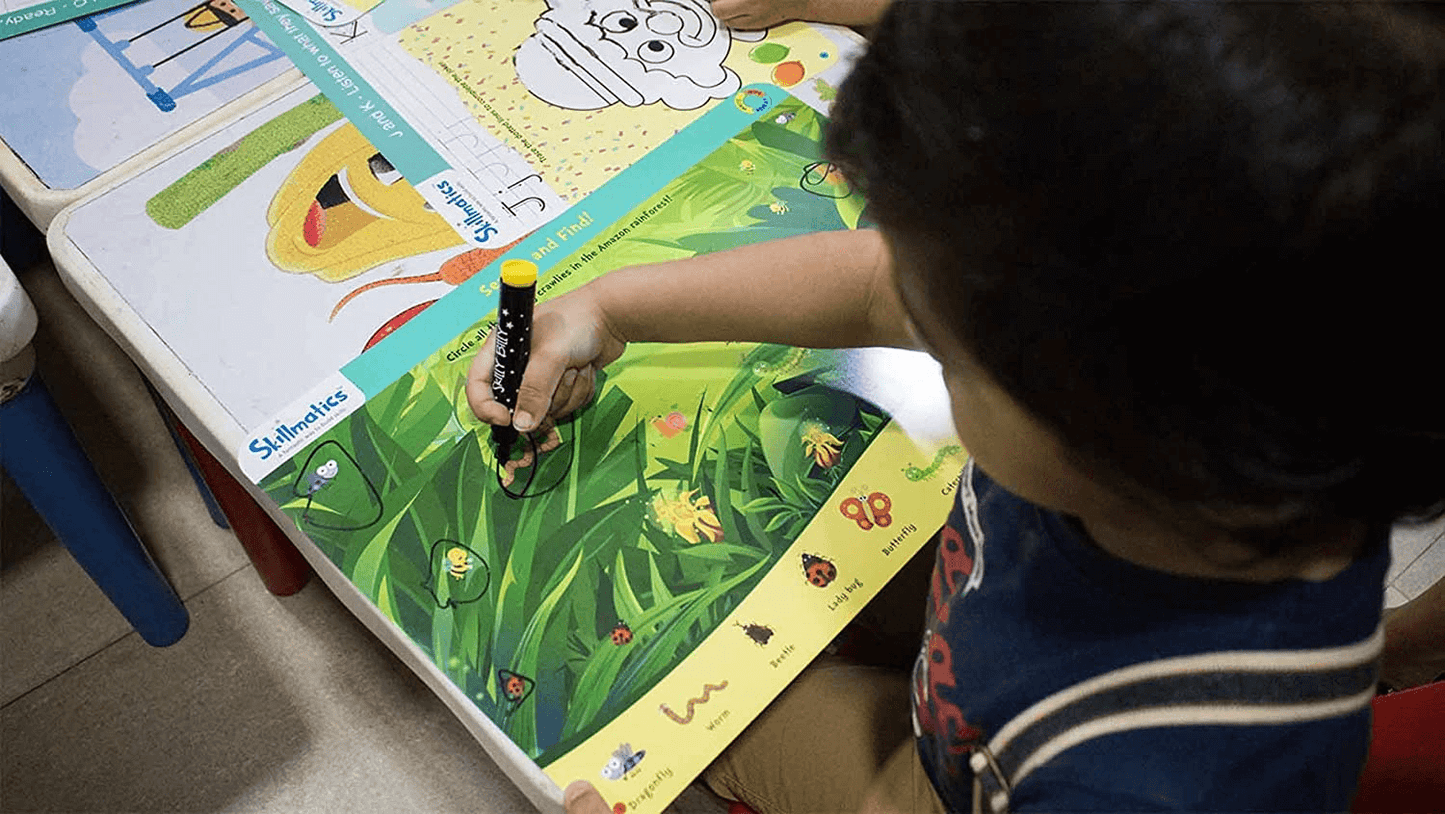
x: 663, y: 532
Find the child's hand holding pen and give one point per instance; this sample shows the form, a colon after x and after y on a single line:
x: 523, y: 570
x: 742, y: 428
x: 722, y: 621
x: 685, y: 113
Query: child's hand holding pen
x: 823, y: 290
x: 571, y: 341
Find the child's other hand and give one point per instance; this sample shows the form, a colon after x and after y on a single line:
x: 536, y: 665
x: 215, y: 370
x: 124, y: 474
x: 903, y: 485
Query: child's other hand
x: 582, y: 797
x: 753, y: 15
x: 571, y: 341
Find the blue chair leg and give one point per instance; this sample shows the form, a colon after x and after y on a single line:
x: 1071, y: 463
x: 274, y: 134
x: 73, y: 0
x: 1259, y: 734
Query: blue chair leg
x: 207, y: 496
x: 46, y: 461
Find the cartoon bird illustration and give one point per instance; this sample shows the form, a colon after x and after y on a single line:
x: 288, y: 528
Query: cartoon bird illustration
x: 345, y: 209
x: 623, y: 760
x: 459, y: 562
x: 324, y: 474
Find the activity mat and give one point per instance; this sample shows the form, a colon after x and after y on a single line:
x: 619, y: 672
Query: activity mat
x: 503, y: 113
x: 87, y: 95
x: 271, y: 253
x: 621, y: 597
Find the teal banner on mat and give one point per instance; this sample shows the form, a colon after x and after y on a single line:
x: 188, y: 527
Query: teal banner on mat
x: 43, y: 15
x: 585, y: 222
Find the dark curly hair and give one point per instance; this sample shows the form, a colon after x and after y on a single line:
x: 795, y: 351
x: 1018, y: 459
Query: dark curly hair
x: 1192, y: 238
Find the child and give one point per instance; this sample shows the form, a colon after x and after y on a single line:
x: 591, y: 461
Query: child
x: 1164, y: 253
x: 752, y: 15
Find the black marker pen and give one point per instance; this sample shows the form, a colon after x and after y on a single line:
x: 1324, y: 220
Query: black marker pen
x: 514, y: 343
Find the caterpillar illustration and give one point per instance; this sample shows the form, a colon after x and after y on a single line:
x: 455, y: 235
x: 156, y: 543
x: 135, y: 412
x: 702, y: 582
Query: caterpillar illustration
x: 778, y: 365
x: 692, y: 702
x: 914, y: 473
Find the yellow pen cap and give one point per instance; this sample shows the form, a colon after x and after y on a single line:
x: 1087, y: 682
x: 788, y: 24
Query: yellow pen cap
x: 519, y: 273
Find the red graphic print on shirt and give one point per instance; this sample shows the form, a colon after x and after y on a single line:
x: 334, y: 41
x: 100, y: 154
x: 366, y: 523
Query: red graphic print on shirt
x: 937, y: 715
x: 953, y: 571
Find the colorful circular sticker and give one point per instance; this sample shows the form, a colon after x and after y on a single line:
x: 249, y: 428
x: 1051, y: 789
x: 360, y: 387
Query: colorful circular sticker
x: 752, y: 100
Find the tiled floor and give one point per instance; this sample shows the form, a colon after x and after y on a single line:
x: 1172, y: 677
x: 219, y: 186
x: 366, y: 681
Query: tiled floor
x: 267, y: 704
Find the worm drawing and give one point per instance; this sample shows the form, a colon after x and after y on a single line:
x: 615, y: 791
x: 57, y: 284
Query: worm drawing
x: 692, y: 702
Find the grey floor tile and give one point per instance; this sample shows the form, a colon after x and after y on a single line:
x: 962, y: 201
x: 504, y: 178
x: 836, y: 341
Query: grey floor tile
x: 267, y: 704
x: 1407, y: 542
x: 1393, y: 597
x: 51, y: 615
x: 108, y: 405
x: 1426, y: 570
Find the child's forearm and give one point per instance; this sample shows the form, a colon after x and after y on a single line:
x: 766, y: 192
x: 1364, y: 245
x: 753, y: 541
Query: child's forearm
x: 846, y: 12
x: 831, y: 289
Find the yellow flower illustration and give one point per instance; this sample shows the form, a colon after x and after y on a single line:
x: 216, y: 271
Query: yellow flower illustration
x: 689, y: 516
x: 822, y: 445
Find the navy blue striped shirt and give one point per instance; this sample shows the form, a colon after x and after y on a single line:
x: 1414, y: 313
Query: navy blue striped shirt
x: 1087, y: 683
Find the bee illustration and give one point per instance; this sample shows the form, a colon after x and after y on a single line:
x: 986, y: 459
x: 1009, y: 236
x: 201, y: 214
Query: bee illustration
x: 623, y: 760
x: 747, y: 166
x: 458, y: 562
x: 778, y: 207
x: 760, y: 634
x: 469, y: 572
x: 515, y: 687
x: 316, y: 481
x: 820, y: 572
x: 621, y: 634
x: 784, y: 118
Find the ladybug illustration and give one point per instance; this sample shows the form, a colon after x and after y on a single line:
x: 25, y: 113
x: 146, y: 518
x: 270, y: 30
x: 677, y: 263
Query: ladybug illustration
x: 758, y: 633
x: 820, y: 572
x: 514, y: 686
x: 621, y: 634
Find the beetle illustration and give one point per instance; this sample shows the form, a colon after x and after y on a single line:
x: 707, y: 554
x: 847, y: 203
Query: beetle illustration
x: 760, y: 634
